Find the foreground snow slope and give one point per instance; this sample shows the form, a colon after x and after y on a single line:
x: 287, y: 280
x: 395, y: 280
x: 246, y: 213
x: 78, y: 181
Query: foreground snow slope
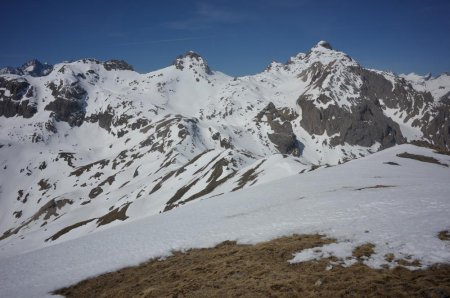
x: 350, y: 202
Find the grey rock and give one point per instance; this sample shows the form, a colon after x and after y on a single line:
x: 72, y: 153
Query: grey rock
x: 364, y: 125
x: 279, y: 121
x: 437, y: 130
x: 117, y: 65
x: 17, y: 102
x: 103, y: 118
x: 69, y: 104
x: 179, y: 62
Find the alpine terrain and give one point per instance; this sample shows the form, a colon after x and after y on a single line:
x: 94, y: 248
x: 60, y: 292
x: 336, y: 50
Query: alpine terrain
x: 103, y: 167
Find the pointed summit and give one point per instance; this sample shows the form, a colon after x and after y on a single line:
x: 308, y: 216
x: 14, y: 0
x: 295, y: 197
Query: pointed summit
x: 324, y: 44
x: 35, y: 68
x: 191, y: 59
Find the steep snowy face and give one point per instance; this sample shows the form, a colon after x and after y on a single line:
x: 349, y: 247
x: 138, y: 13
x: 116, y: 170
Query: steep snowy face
x: 91, y: 143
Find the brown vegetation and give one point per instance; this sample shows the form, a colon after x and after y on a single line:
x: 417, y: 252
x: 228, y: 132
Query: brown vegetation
x: 364, y: 251
x: 262, y: 270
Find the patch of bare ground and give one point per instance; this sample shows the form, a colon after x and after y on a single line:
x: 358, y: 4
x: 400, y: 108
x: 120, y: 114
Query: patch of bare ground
x: 68, y: 229
x: 119, y: 213
x: 437, y: 149
x: 444, y: 235
x: 363, y: 251
x: 248, y: 176
x: 262, y: 270
x: 375, y: 186
x: 421, y: 158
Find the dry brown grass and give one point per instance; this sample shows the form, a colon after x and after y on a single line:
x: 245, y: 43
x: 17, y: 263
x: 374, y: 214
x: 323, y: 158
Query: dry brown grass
x: 262, y: 270
x: 364, y: 251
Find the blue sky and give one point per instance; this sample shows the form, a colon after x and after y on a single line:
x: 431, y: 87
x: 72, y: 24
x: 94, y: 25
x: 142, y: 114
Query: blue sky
x: 236, y: 37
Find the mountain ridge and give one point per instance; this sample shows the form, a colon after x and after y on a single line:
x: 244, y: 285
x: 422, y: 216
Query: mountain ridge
x: 91, y: 140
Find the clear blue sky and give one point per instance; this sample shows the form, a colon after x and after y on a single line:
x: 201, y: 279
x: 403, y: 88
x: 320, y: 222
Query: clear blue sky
x: 236, y: 37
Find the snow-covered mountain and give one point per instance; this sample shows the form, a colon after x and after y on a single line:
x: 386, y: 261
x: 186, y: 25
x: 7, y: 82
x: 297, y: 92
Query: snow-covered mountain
x: 388, y: 199
x: 86, y: 145
x: 33, y: 68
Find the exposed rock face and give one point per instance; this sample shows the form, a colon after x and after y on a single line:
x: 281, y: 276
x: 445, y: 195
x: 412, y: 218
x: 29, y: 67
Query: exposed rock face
x: 15, y: 98
x: 279, y: 121
x: 69, y: 104
x: 438, y: 129
x: 23, y: 108
x: 402, y: 95
x: 117, y: 65
x: 360, y: 118
x: 13, y: 89
x: 189, y: 60
x: 363, y: 125
x: 103, y: 118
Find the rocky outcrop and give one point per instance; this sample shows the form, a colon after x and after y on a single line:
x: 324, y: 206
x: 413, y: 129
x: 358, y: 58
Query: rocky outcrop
x: 15, y: 98
x: 104, y: 118
x: 9, y: 108
x: 283, y: 136
x: 14, y: 89
x: 69, y: 104
x: 363, y: 125
x: 189, y: 59
x: 399, y: 96
x: 361, y: 120
x: 437, y: 131
x: 117, y: 65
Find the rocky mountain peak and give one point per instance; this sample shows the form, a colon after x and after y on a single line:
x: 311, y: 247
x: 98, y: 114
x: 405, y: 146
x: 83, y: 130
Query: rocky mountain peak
x: 33, y: 68
x: 32, y: 63
x: 36, y: 68
x: 191, y: 59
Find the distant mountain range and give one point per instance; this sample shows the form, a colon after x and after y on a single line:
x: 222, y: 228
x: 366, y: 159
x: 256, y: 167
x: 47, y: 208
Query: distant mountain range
x: 86, y: 145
